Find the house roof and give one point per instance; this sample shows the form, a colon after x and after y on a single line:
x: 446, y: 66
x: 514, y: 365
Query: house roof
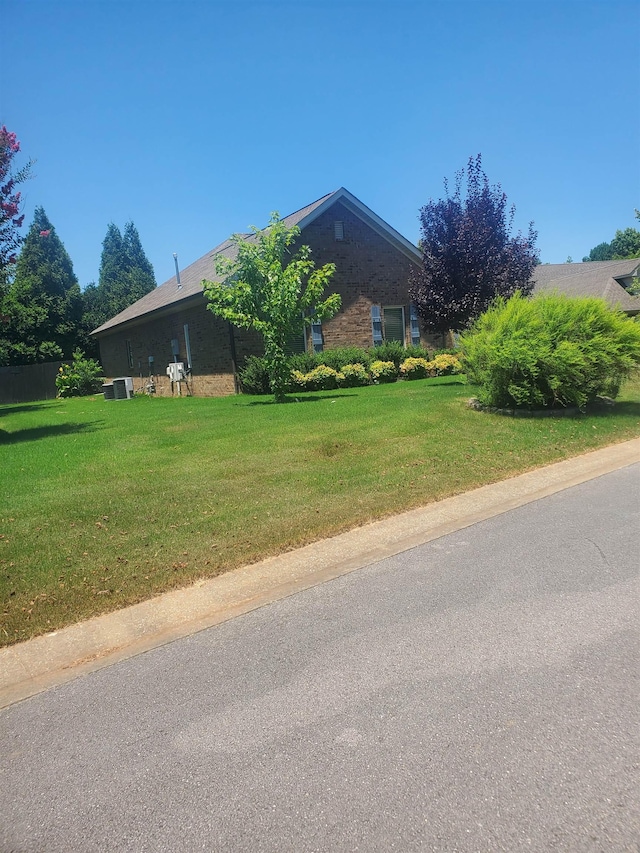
x: 191, y: 277
x: 595, y: 278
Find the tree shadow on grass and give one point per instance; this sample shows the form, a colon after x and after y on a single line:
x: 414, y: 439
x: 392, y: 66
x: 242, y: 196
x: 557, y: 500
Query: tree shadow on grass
x: 13, y: 408
x: 623, y: 407
x: 301, y: 399
x: 51, y: 431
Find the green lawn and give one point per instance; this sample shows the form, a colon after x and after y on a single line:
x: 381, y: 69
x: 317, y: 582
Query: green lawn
x: 107, y: 503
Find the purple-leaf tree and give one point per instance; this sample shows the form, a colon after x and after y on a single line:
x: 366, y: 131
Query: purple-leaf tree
x: 10, y: 217
x: 468, y: 255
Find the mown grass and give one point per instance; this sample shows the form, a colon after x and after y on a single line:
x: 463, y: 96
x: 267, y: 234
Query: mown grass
x: 108, y: 503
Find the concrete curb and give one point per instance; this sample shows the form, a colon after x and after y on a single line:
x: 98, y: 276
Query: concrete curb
x: 31, y: 667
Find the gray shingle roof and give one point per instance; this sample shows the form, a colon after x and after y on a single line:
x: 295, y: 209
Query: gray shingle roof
x: 191, y: 277
x: 595, y: 278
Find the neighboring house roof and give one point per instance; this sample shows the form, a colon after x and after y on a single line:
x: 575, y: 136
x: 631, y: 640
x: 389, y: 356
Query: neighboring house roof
x: 169, y: 293
x: 592, y: 278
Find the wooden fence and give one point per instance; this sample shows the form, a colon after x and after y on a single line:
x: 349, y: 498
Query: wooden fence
x: 28, y: 382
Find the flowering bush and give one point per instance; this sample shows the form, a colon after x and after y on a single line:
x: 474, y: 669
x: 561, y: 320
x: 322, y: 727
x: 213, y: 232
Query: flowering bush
x: 82, y: 377
x: 321, y: 378
x: 414, y: 368
x: 383, y: 371
x: 444, y: 365
x: 354, y: 376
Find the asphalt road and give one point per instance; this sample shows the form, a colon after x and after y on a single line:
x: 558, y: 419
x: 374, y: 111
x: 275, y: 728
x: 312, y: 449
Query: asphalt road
x: 478, y: 693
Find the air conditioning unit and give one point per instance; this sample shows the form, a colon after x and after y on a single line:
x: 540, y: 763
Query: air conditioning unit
x: 123, y: 388
x: 175, y: 371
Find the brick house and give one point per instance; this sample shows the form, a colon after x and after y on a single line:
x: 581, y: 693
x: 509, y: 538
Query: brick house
x: 373, y: 266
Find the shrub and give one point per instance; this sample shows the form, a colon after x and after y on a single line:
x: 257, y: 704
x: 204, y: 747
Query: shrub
x: 82, y: 377
x: 549, y: 351
x: 444, y: 364
x: 383, y: 371
x: 354, y: 376
x: 321, y: 378
x: 304, y: 361
x: 414, y: 368
x: 254, y: 376
x: 397, y: 353
x: 341, y: 356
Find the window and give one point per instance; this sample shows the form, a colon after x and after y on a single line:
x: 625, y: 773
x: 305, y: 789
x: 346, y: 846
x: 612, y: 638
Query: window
x: 387, y: 324
x: 415, y: 326
x: 394, y: 324
x: 316, y: 336
x: 129, y: 355
x: 338, y: 230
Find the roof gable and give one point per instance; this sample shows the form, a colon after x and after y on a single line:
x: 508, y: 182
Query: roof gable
x: 170, y: 293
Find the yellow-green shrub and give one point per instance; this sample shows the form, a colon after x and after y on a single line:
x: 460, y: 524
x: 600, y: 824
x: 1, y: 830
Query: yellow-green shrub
x: 444, y: 365
x: 383, y: 371
x: 354, y: 376
x: 414, y: 368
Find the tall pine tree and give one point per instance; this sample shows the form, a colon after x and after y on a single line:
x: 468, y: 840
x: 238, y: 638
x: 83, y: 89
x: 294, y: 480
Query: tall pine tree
x: 125, y: 275
x: 141, y: 278
x: 43, y: 305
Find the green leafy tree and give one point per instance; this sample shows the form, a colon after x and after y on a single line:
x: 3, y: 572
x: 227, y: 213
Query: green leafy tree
x: 272, y: 289
x: 43, y: 304
x: 601, y: 252
x: 468, y: 255
x: 626, y: 244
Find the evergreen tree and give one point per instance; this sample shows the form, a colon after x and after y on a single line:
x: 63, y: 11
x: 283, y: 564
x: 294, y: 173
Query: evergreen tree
x: 111, y: 283
x: 141, y: 278
x: 126, y: 275
x: 43, y: 304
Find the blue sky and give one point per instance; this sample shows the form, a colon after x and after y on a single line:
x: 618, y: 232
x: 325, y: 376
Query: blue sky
x: 197, y: 119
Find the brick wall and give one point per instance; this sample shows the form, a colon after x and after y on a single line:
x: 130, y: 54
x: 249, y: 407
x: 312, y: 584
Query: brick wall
x: 369, y: 271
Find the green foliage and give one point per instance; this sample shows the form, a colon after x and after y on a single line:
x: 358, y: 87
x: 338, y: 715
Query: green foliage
x: 414, y: 368
x: 353, y: 363
x: 341, y: 356
x: 82, y: 377
x: 254, y: 376
x: 126, y: 275
x: 304, y: 361
x: 625, y: 245
x: 354, y: 376
x: 445, y: 364
x: 601, y: 252
x: 383, y: 371
x: 550, y: 351
x: 268, y: 288
x: 43, y: 305
x: 321, y: 378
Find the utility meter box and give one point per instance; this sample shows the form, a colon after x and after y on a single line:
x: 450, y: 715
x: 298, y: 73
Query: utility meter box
x: 175, y: 371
